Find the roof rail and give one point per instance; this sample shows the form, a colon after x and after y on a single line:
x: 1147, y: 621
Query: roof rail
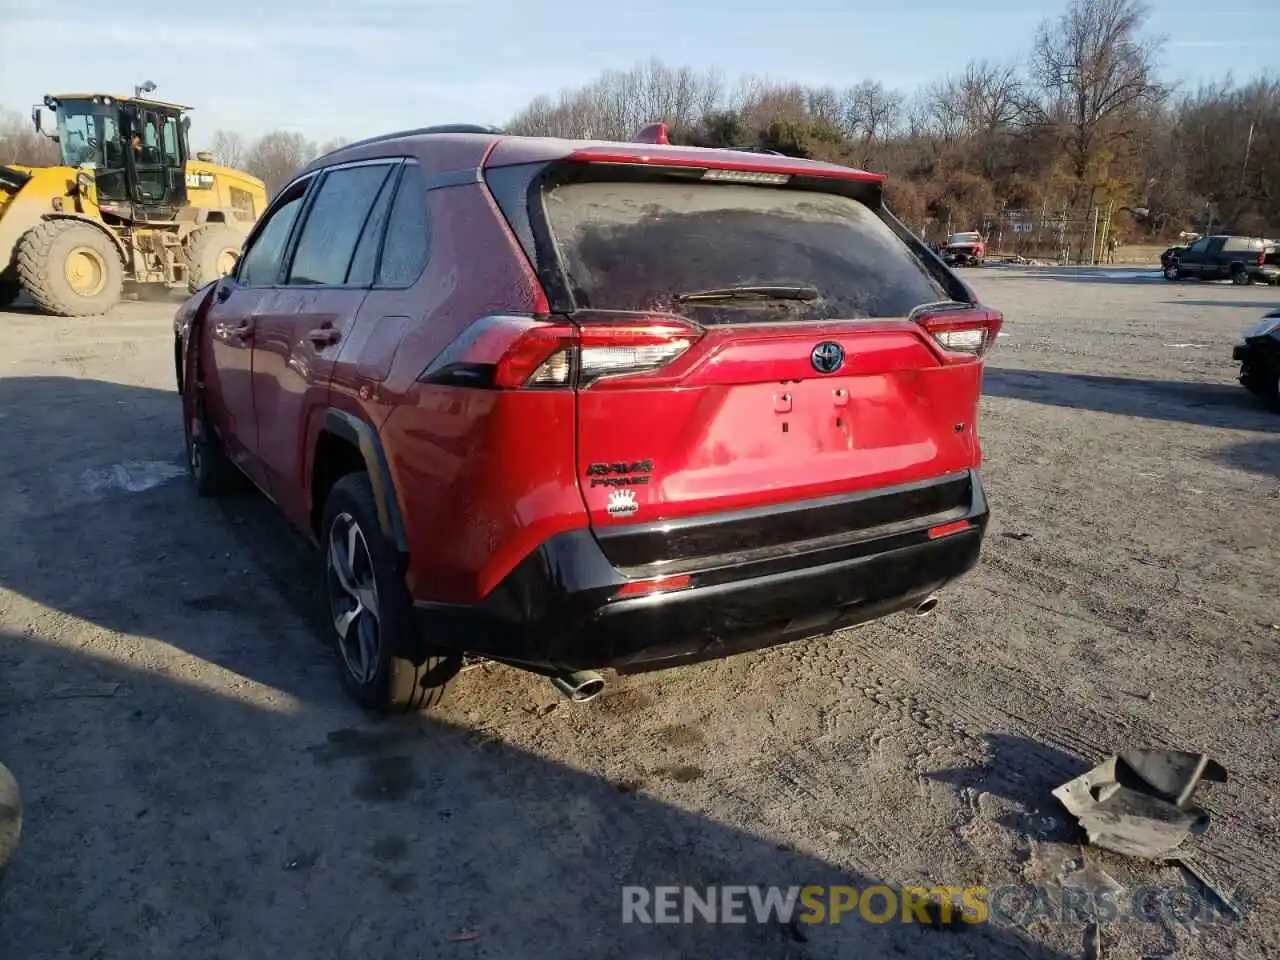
x: 422, y: 131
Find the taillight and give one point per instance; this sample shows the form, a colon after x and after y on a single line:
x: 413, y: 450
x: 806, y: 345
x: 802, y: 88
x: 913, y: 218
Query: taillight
x: 511, y: 352
x: 962, y: 333
x: 617, y: 351
x: 1262, y: 256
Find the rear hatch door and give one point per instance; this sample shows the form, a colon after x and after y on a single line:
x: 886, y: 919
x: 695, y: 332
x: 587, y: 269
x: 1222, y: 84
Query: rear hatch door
x: 801, y: 375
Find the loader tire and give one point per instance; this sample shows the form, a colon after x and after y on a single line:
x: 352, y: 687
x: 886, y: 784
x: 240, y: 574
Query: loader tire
x: 70, y: 268
x: 211, y: 253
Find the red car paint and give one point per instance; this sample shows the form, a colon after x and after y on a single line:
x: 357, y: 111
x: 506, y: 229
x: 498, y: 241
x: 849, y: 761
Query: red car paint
x: 478, y: 477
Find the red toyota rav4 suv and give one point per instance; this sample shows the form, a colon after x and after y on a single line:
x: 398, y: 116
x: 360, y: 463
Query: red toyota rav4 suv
x: 580, y: 405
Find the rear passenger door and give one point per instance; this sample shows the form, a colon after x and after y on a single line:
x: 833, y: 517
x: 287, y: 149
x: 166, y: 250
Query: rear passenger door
x: 228, y: 329
x: 1191, y: 260
x: 392, y: 307
x: 301, y: 328
x: 1215, y: 265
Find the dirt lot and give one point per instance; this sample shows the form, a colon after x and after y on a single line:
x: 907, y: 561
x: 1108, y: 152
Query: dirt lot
x: 198, y: 786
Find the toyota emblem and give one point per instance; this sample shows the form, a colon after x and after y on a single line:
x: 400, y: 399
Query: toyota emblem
x: 827, y: 357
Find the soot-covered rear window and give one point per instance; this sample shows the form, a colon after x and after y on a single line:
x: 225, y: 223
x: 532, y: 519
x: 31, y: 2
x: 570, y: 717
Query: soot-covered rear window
x: 636, y: 245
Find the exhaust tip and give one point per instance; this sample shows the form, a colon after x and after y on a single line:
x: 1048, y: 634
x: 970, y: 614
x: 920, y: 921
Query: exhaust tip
x: 580, y: 687
x: 927, y: 605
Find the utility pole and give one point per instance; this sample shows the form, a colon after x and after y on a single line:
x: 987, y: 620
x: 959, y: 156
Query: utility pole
x: 1093, y: 240
x: 1248, y: 145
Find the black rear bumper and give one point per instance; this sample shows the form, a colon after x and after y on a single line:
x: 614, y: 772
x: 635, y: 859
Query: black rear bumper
x: 559, y: 611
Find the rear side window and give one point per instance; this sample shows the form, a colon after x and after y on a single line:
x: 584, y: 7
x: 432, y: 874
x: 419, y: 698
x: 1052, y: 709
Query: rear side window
x: 365, y: 260
x: 404, y: 253
x: 334, y: 222
x: 638, y: 245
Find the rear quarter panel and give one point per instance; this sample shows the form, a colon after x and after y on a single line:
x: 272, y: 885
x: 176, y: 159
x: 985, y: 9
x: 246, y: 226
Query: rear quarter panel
x: 482, y: 477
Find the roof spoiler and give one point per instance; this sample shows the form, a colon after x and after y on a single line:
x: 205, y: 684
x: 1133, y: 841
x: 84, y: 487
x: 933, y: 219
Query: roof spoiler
x: 654, y: 133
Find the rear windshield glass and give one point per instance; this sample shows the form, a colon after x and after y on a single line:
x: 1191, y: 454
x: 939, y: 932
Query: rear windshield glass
x: 640, y: 245
x: 965, y: 238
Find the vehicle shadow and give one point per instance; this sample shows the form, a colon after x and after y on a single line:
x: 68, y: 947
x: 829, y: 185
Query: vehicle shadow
x: 178, y: 820
x: 1123, y: 275
x: 1235, y: 304
x: 1254, y: 456
x: 1204, y: 404
x: 201, y: 786
x: 1025, y: 772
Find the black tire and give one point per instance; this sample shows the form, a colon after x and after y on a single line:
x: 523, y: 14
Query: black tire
x: 212, y: 471
x: 10, y: 819
x: 404, y: 674
x: 1263, y: 382
x: 208, y: 251
x: 1240, y: 277
x: 49, y: 252
x: 1172, y: 273
x: 9, y: 290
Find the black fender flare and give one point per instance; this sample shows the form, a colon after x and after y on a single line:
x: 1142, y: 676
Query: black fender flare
x: 362, y: 435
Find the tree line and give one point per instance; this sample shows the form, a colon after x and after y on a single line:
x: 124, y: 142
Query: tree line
x: 1033, y: 150
x: 1082, y: 128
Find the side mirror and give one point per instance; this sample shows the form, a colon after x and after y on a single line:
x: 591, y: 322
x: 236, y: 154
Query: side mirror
x: 37, y: 117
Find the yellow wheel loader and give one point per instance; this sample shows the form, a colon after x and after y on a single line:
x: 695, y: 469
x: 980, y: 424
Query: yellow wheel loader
x: 128, y: 204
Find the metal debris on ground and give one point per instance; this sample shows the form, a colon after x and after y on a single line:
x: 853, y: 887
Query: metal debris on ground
x: 1194, y: 870
x: 1138, y: 803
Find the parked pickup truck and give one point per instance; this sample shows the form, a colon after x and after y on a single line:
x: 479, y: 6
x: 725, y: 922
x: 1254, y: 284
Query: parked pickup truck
x: 965, y: 250
x: 1242, y: 260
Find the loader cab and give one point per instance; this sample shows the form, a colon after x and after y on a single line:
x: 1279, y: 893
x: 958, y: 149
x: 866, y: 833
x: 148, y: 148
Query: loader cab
x: 137, y: 149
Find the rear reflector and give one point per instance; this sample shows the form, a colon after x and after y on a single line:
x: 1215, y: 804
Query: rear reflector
x: 962, y: 332
x: 640, y: 588
x: 947, y: 529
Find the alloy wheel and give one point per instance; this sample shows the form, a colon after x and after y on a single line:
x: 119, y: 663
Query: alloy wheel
x: 353, y: 597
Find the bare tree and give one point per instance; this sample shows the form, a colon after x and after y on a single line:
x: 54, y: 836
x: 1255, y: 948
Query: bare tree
x: 871, y: 115
x: 277, y: 156
x: 1097, y: 74
x: 228, y: 148
x: 620, y: 102
x: 19, y: 142
x: 337, y: 143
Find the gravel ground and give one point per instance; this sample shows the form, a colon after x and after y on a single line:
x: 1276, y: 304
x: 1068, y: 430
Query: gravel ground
x: 198, y: 785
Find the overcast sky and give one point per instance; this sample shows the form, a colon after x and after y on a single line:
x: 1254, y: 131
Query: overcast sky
x: 358, y: 68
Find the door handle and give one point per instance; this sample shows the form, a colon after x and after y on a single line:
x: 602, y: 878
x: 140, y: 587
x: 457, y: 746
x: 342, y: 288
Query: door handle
x: 324, y: 336
x: 235, y: 331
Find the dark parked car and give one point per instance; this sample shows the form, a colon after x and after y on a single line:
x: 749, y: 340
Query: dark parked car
x: 1241, y: 260
x: 1259, y: 358
x: 1170, y: 255
x: 573, y: 406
